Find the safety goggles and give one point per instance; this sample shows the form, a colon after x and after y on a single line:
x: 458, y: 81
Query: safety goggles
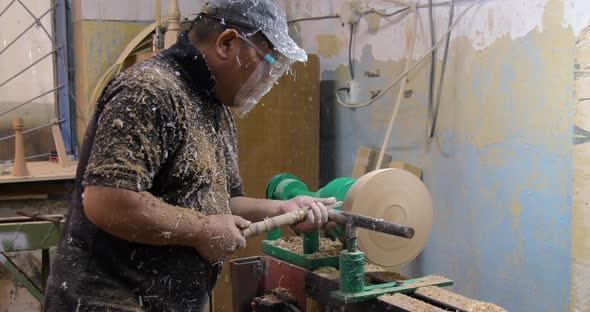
x: 274, y: 63
x: 270, y: 68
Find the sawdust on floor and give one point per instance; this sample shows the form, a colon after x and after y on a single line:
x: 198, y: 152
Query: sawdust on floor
x: 457, y: 300
x: 409, y: 304
x: 294, y: 244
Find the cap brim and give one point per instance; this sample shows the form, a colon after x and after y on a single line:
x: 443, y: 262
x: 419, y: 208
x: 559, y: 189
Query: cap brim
x: 284, y: 44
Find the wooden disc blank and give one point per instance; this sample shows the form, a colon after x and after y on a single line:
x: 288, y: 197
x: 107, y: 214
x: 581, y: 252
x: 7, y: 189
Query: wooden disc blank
x: 396, y: 196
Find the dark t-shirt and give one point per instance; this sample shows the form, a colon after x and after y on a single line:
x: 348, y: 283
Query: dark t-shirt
x: 157, y: 128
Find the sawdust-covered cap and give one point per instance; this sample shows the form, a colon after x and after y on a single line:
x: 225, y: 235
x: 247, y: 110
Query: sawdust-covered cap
x: 260, y: 15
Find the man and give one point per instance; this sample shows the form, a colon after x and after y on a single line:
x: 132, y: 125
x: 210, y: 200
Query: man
x: 159, y: 200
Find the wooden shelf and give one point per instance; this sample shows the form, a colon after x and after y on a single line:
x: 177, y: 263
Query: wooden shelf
x: 42, y: 171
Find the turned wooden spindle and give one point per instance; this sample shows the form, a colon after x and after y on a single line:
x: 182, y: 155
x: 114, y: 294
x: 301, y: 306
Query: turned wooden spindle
x: 173, y: 29
x: 20, y: 164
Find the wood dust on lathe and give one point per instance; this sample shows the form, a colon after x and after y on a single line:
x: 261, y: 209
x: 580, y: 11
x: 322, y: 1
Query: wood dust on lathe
x: 294, y: 244
x: 377, y: 271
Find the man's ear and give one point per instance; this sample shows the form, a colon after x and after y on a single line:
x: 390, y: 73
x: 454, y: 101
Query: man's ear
x: 226, y: 43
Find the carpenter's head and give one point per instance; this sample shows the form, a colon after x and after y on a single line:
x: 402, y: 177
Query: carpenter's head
x: 247, y: 47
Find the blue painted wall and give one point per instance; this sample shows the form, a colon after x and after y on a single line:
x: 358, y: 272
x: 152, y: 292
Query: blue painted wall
x: 500, y: 169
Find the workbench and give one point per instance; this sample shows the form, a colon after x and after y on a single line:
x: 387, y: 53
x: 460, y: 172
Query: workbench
x: 19, y: 234
x: 253, y: 277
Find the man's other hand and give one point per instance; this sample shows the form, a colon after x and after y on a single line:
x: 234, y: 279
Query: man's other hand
x: 317, y: 218
x: 220, y: 236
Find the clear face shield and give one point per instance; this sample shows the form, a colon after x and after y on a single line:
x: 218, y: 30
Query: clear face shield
x: 272, y: 66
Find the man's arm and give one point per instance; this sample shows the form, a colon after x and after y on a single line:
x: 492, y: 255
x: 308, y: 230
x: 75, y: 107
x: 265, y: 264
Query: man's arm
x: 143, y: 218
x: 255, y: 210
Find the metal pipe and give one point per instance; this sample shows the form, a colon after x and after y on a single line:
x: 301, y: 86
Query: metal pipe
x: 38, y: 216
x: 416, y: 64
x: 351, y: 236
x: 373, y: 224
x: 314, y: 18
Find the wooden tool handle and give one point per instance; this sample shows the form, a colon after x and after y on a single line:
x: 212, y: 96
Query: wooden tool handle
x: 274, y: 223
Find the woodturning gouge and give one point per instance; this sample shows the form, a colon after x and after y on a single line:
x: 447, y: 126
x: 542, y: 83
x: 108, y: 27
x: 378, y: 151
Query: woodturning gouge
x: 341, y: 217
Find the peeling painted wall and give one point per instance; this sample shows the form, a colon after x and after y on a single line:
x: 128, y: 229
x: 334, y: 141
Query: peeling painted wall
x: 500, y: 169
x: 581, y: 150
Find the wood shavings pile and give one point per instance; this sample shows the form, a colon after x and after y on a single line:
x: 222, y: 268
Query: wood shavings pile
x: 409, y: 304
x: 294, y: 244
x: 485, y: 307
x: 457, y: 300
x: 333, y: 273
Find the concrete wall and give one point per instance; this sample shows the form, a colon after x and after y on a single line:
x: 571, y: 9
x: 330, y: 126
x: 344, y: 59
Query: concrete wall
x: 500, y: 169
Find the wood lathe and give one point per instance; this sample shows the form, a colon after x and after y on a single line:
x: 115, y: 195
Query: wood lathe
x: 386, y: 219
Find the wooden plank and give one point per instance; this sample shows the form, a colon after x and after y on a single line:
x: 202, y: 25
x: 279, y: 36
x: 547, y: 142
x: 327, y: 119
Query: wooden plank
x: 361, y: 162
x: 280, y: 135
x: 22, y: 196
x: 408, y: 167
x: 456, y: 301
x: 51, y: 188
x: 22, y: 236
x: 407, y: 303
x: 374, y: 158
x: 366, y: 161
x: 6, y: 220
x: 59, y: 144
x: 41, y: 171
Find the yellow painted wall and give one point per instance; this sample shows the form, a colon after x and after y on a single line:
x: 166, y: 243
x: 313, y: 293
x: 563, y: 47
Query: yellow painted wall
x: 97, y: 45
x: 581, y: 187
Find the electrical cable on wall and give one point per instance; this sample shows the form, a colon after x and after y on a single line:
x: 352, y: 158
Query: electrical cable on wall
x: 403, y: 75
x: 432, y: 61
x: 350, y: 65
x: 336, y: 16
x: 442, y: 72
